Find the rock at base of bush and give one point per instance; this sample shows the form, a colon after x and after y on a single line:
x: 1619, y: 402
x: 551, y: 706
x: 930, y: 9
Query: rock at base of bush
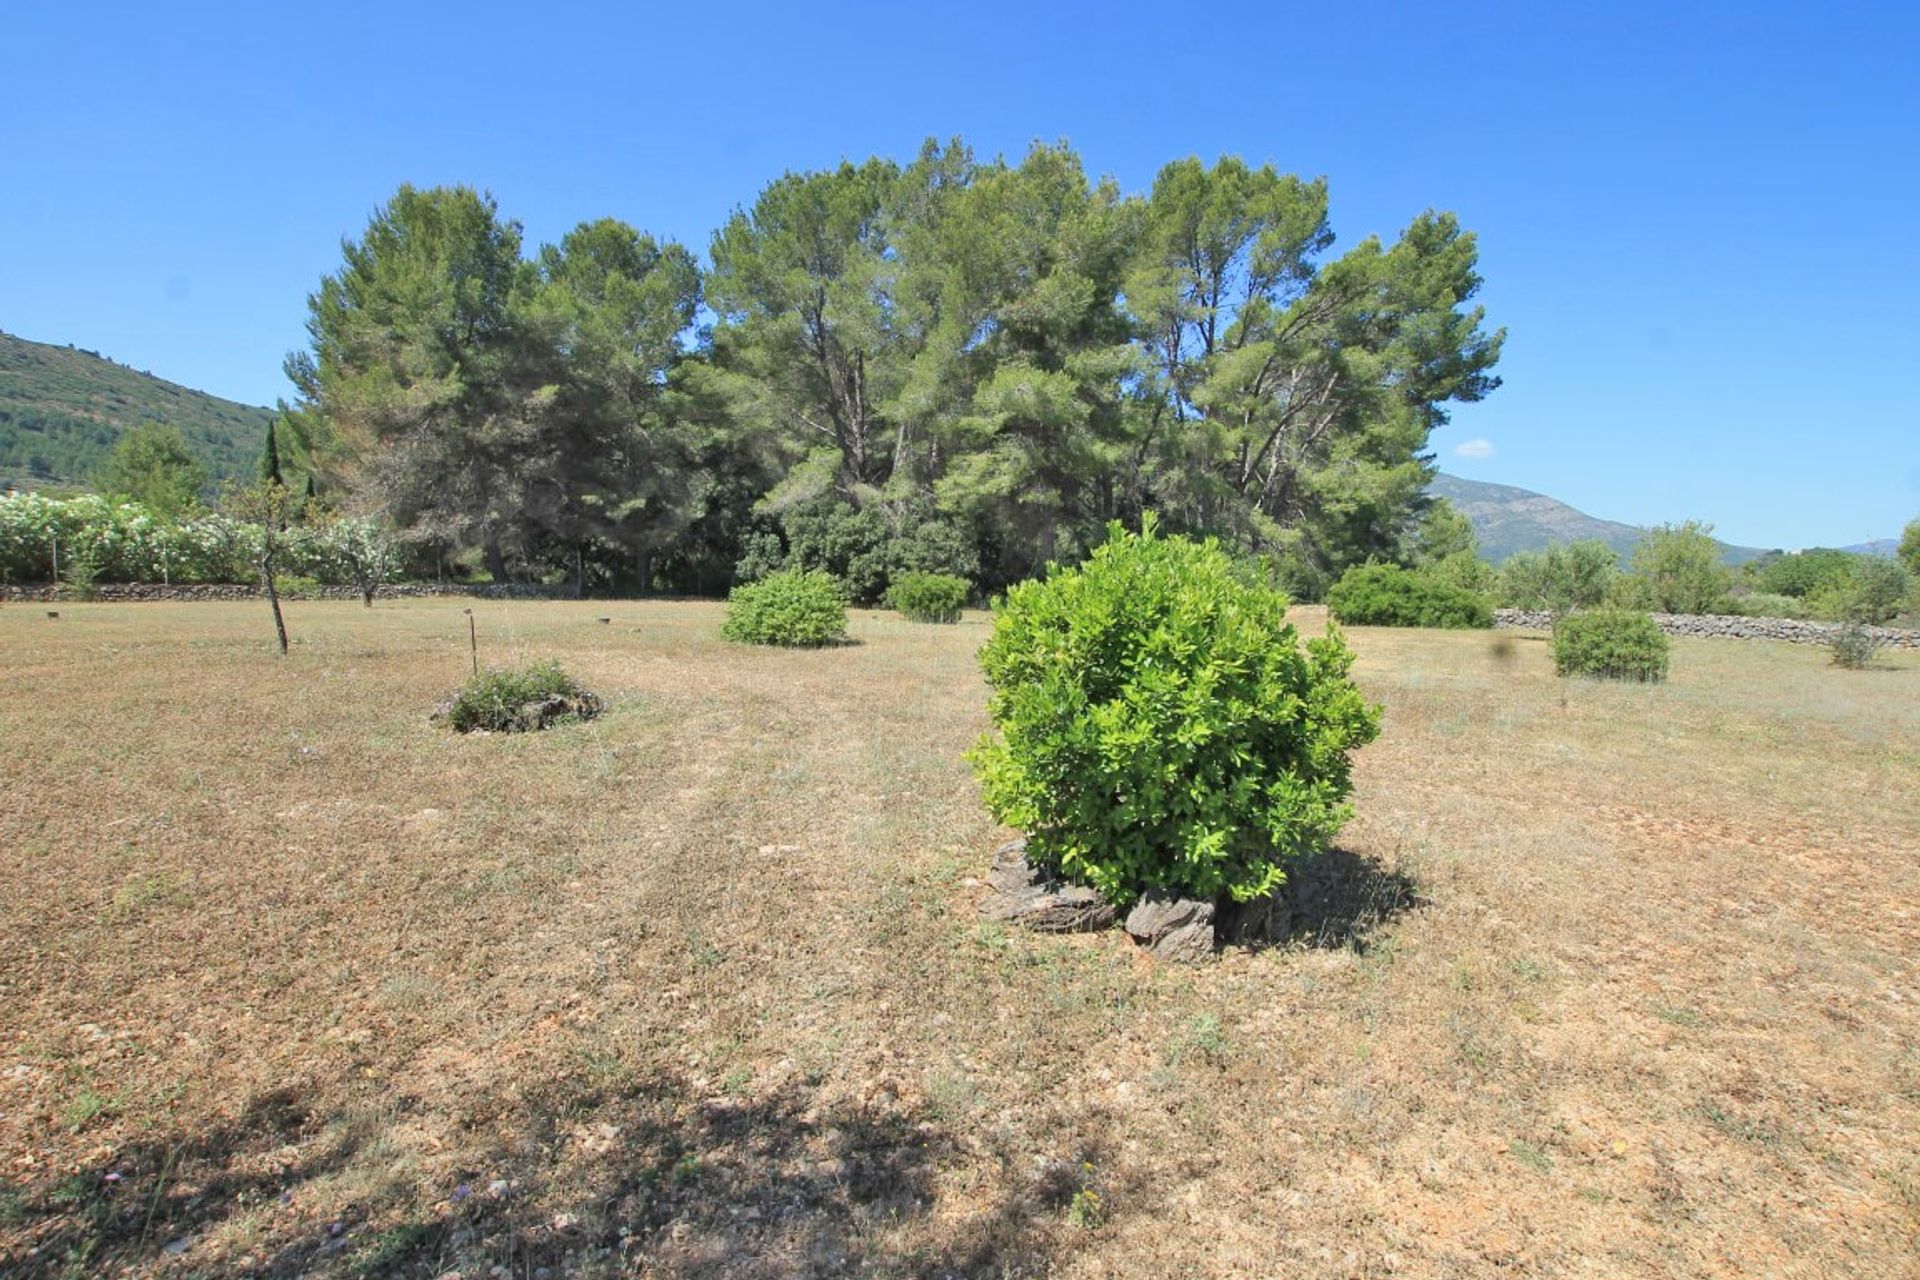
x: 1020, y: 893
x: 1179, y: 929
x: 544, y: 712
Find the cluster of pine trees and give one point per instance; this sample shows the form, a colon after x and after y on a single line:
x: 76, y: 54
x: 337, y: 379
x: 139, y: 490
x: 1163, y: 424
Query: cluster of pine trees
x: 954, y: 365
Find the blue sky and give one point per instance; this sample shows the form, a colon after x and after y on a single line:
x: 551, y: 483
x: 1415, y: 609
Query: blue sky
x: 1698, y: 222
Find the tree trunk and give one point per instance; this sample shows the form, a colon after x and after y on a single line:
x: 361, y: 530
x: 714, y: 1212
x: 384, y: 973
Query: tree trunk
x: 646, y: 570
x: 579, y: 572
x: 273, y: 598
x: 496, y: 558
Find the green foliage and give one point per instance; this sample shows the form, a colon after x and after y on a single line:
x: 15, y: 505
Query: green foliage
x: 127, y: 542
x: 801, y: 608
x: 929, y: 597
x: 63, y: 410
x: 1161, y: 725
x: 1761, y: 604
x: 1611, y: 644
x: 152, y: 465
x: 1873, y: 590
x: 1445, y: 548
x: 270, y: 472
x: 1909, y: 552
x: 1564, y: 577
x: 492, y: 700
x: 1804, y: 573
x: 1853, y: 647
x: 1386, y: 595
x: 1680, y: 571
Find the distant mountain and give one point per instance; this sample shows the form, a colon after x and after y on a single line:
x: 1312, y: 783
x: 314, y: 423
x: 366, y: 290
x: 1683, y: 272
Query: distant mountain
x: 1507, y: 519
x: 61, y: 409
x: 1878, y: 547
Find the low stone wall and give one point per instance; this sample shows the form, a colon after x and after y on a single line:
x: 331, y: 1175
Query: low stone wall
x: 144, y: 592
x: 1727, y: 627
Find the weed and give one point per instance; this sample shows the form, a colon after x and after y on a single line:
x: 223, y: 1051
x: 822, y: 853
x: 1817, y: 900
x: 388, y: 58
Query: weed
x: 1203, y: 1039
x: 1530, y: 1154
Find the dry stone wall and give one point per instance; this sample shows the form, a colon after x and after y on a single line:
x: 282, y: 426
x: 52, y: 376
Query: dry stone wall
x: 1726, y: 627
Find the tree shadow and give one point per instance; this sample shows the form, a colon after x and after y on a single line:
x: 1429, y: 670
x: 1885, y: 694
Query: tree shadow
x: 650, y: 1177
x: 1344, y: 900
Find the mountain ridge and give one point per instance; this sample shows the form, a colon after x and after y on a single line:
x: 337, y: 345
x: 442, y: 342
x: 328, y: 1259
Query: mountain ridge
x: 1508, y: 519
x: 62, y: 408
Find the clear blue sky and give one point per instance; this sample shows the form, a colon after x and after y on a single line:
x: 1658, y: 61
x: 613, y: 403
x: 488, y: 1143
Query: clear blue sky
x: 1698, y: 222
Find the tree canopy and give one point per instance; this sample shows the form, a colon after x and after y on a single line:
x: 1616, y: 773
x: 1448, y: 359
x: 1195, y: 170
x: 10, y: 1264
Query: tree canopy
x: 948, y: 365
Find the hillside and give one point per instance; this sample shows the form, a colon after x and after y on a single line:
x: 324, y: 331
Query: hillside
x: 1508, y: 519
x: 61, y: 409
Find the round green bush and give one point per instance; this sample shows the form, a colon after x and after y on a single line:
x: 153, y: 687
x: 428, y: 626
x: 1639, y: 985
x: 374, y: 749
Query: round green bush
x: 801, y: 608
x: 1611, y: 644
x: 1386, y: 595
x: 929, y: 597
x: 518, y: 699
x: 1160, y: 725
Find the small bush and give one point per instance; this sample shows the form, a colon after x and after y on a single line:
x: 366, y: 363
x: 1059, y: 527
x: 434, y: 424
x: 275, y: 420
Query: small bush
x: 518, y: 699
x: 801, y: 608
x: 297, y: 586
x: 1765, y: 604
x: 1853, y: 647
x: 1611, y: 644
x: 1161, y: 725
x: 1385, y: 595
x: 929, y: 597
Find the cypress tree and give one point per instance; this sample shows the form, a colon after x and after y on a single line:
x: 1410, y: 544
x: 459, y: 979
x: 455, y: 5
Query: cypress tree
x: 270, y: 460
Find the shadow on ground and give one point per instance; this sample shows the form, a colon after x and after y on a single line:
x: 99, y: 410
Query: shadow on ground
x: 1344, y: 899
x: 649, y: 1178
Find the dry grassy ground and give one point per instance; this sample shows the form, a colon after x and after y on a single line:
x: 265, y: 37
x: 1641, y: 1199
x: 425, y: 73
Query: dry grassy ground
x: 1604, y: 981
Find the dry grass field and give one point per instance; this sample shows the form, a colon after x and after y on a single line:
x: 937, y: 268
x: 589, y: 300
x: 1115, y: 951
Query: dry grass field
x: 1602, y: 981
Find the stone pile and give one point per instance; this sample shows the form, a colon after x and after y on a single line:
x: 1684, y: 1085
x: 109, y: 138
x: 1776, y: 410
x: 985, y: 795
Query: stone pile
x: 1183, y: 930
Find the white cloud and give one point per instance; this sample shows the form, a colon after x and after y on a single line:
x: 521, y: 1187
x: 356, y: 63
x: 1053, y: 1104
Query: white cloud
x: 1473, y: 449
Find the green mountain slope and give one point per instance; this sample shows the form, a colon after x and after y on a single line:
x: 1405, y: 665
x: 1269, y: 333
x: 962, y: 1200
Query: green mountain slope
x: 61, y: 409
x: 1507, y: 519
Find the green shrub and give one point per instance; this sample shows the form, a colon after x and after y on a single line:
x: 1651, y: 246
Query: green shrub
x: 1611, y: 644
x: 297, y: 586
x: 1853, y: 647
x: 1564, y: 577
x: 517, y: 699
x: 1161, y: 725
x: 1385, y: 595
x: 929, y: 597
x: 1764, y: 604
x: 802, y: 608
x: 1679, y: 569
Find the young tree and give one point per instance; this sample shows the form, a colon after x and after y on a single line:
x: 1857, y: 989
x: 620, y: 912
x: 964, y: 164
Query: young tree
x: 1909, y: 552
x: 364, y: 550
x: 152, y: 465
x: 1563, y: 578
x: 1680, y: 568
x: 269, y: 506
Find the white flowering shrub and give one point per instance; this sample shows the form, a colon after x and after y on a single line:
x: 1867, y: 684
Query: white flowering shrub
x: 129, y: 543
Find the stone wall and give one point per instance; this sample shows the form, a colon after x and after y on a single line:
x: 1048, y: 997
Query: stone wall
x: 139, y: 592
x: 1727, y: 627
